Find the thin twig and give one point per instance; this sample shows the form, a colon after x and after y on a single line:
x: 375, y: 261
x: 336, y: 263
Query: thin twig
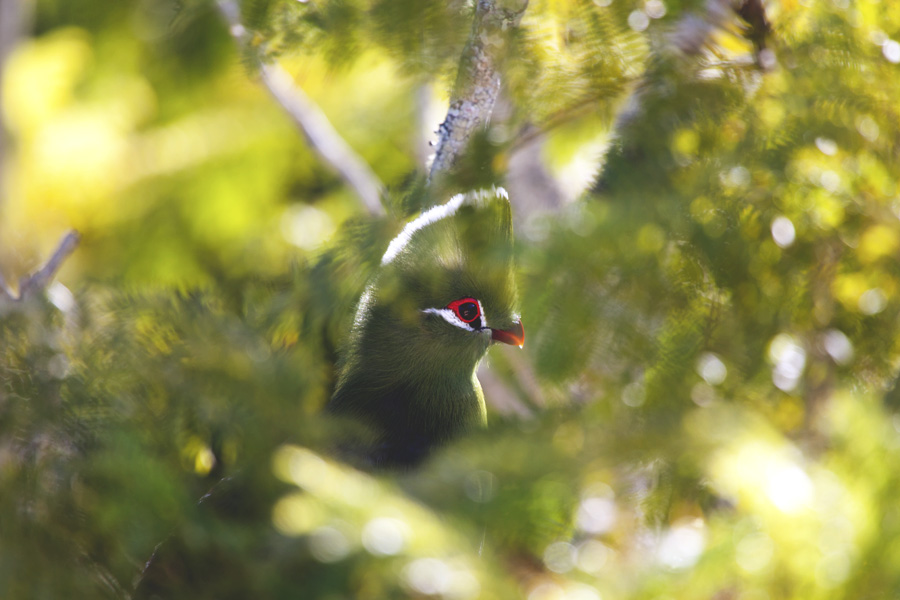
x: 323, y: 137
x: 478, y: 81
x: 38, y: 281
x: 42, y: 277
x: 312, y: 122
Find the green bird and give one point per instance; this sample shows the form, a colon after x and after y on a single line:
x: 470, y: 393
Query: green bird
x: 444, y: 292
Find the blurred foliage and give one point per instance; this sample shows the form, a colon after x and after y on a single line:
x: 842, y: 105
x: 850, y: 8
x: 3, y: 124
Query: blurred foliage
x: 705, y: 406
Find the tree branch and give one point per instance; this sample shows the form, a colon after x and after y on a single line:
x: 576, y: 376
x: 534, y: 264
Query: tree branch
x: 311, y: 121
x: 38, y: 281
x: 478, y: 81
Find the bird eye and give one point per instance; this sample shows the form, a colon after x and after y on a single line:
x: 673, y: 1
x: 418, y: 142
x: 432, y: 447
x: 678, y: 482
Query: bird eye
x: 466, y: 309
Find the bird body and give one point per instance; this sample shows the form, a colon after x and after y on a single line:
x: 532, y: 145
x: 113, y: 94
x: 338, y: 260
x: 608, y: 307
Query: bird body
x: 422, y: 327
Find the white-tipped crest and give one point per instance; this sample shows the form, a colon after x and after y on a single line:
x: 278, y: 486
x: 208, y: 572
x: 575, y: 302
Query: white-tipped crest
x: 436, y: 213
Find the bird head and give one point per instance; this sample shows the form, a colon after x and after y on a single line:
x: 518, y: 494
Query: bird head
x: 446, y: 287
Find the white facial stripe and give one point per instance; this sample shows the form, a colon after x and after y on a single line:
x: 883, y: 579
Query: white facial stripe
x: 450, y: 316
x: 434, y: 214
x: 481, y: 313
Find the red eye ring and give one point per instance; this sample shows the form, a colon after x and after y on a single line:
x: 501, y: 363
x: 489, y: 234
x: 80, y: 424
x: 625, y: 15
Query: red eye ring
x: 467, y: 309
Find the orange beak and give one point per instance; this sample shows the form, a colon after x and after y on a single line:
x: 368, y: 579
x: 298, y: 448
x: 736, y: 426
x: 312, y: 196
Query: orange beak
x: 514, y: 336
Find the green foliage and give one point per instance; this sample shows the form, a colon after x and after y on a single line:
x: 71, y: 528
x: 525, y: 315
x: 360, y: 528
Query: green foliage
x: 705, y: 406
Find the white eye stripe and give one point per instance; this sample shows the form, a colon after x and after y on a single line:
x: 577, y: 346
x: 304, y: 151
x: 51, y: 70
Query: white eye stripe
x: 451, y: 317
x: 481, y: 314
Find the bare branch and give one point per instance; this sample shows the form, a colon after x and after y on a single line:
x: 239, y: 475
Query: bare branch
x: 38, y: 281
x: 40, y: 278
x: 478, y: 81
x: 323, y: 137
x: 312, y: 122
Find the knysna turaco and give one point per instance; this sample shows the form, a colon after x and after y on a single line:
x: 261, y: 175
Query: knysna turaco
x: 444, y: 292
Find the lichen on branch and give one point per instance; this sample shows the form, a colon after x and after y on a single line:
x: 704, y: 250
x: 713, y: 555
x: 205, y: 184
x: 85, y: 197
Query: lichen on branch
x: 478, y: 81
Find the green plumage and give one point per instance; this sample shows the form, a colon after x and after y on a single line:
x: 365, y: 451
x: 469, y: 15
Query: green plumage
x: 408, y: 372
